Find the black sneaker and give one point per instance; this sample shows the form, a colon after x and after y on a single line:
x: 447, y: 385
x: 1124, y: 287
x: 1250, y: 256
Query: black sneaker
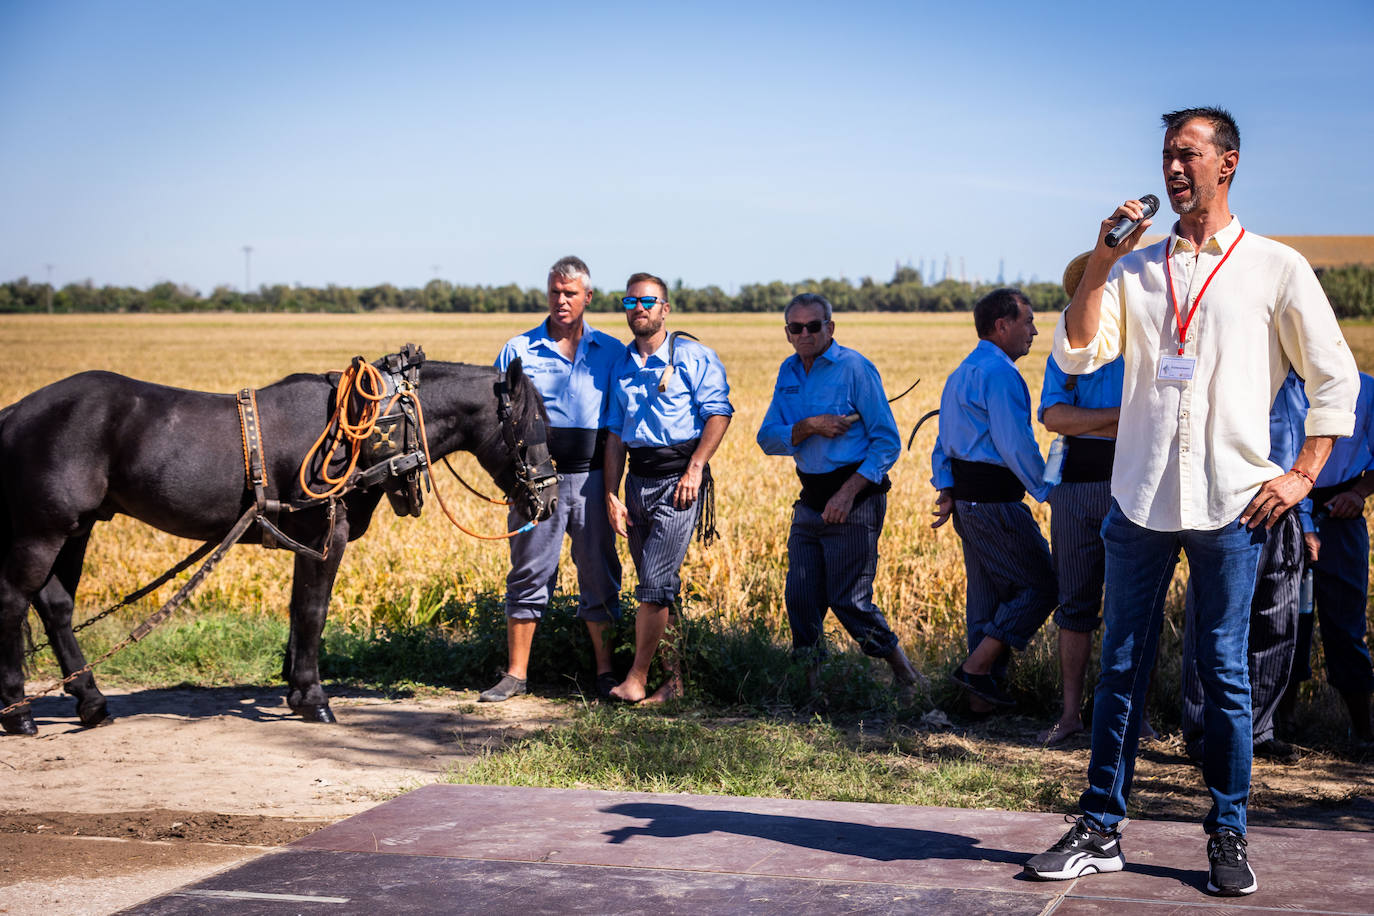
x: 1230, y: 874
x: 1081, y: 851
x: 505, y: 688
x: 983, y: 686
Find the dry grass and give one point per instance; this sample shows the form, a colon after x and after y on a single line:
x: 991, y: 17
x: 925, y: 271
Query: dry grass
x: 920, y: 579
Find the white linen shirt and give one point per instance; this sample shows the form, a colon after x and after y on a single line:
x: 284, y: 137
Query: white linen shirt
x: 1190, y: 455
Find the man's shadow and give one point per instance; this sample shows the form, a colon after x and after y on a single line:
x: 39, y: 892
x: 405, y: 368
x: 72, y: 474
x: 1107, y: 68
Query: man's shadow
x: 885, y: 844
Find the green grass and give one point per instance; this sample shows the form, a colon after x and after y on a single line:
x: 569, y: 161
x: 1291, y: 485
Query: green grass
x: 213, y: 648
x: 624, y: 750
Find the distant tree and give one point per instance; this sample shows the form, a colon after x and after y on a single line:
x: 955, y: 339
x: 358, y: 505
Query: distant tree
x: 907, y: 274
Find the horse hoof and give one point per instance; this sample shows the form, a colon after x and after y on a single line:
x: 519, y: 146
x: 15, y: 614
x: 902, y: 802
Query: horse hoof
x: 316, y: 713
x: 20, y: 723
x: 96, y: 714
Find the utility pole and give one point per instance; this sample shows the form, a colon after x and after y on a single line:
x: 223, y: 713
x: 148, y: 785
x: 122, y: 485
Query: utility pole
x: 49, y: 268
x: 247, y: 277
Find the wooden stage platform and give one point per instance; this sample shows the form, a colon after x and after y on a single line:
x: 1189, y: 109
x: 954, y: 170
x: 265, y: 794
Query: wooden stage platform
x: 505, y: 850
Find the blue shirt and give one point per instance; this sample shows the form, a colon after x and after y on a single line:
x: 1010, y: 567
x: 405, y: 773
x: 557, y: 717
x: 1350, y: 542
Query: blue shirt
x: 841, y: 381
x: 576, y: 392
x: 1355, y: 455
x: 641, y: 415
x: 985, y: 416
x: 1093, y: 390
x: 1286, y: 420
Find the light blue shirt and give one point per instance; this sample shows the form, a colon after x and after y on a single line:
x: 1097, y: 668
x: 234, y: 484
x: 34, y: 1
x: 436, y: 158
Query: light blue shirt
x: 576, y: 392
x: 841, y: 381
x: 1093, y: 390
x: 644, y: 416
x: 985, y: 416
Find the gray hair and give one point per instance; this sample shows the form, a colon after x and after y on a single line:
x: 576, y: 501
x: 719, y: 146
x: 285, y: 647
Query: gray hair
x: 571, y: 267
x: 810, y: 299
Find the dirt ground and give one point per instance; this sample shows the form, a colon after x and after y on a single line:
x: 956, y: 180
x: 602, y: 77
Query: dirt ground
x: 187, y: 782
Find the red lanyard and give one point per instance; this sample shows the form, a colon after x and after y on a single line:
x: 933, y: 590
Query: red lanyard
x: 1168, y: 275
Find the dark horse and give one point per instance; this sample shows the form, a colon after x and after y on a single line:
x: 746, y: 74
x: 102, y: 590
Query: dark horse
x: 97, y: 444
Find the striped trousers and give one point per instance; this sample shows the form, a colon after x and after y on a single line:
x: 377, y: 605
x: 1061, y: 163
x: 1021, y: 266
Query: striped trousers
x: 832, y: 567
x: 659, y: 534
x: 1011, y: 584
x: 1273, y: 633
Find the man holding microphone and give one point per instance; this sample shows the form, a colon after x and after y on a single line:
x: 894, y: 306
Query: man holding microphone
x: 1209, y: 322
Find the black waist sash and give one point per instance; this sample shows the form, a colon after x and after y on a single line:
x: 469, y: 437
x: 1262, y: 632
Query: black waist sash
x: 1321, y: 495
x: 818, y: 488
x: 983, y: 482
x: 670, y: 461
x: 661, y: 460
x: 576, y: 451
x: 1087, y: 460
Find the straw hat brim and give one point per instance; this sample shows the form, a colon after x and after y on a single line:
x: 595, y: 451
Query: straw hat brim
x: 1073, y: 273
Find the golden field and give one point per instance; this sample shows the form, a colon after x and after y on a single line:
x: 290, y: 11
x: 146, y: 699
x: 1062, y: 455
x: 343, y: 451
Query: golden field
x: 920, y: 577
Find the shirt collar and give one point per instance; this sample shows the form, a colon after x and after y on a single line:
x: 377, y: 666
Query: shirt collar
x: 830, y: 355
x: 1218, y: 243
x: 543, y: 338
x: 991, y: 349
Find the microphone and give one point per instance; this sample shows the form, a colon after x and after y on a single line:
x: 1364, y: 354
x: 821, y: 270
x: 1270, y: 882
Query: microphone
x: 1125, y: 225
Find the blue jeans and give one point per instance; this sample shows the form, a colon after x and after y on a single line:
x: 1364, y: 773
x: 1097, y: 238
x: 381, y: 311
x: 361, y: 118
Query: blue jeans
x: 1140, y: 566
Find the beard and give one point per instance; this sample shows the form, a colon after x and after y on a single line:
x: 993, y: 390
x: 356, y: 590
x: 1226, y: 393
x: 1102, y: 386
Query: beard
x: 648, y: 327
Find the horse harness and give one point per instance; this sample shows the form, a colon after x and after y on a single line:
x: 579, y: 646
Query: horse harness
x: 392, y: 448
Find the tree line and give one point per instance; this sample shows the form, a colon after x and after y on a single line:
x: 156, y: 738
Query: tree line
x: 1350, y: 289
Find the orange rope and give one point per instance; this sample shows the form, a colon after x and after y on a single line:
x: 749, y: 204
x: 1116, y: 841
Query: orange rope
x: 365, y: 380
x: 420, y: 414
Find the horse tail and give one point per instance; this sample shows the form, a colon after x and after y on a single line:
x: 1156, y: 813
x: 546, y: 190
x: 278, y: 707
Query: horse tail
x: 7, y: 539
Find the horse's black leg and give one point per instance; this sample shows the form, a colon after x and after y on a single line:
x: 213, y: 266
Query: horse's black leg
x: 55, y: 602
x: 314, y: 581
x: 23, y: 570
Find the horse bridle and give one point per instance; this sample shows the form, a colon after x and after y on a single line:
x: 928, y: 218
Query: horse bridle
x: 535, y: 479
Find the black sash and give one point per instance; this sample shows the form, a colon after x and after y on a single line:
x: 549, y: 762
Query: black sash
x: 1088, y: 460
x: 661, y: 460
x: 576, y: 451
x: 983, y: 482
x: 1321, y: 495
x: 650, y: 461
x: 818, y: 488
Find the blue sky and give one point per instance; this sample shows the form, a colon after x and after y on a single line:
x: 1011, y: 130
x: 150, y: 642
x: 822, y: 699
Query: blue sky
x: 720, y: 143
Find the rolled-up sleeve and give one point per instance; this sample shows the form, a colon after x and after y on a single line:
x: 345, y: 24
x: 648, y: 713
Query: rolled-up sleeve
x: 1105, y: 345
x: 1311, y: 338
x: 711, y: 389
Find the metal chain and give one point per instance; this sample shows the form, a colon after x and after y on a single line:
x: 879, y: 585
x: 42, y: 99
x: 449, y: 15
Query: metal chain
x: 130, y: 598
x: 158, y: 617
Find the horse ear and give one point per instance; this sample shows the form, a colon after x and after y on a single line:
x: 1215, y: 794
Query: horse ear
x: 514, y: 372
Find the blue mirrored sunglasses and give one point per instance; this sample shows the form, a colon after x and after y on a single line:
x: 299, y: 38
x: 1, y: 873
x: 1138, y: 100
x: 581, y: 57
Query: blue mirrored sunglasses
x: 629, y: 302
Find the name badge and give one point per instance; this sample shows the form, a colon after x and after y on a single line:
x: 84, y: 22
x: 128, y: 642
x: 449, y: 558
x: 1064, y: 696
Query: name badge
x: 1176, y: 368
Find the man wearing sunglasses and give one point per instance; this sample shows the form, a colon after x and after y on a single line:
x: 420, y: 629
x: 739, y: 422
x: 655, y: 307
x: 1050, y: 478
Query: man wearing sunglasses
x: 830, y: 414
x: 669, y: 408
x: 570, y: 363
x: 985, y: 461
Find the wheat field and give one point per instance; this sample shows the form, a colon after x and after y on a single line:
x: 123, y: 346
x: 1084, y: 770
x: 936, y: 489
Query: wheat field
x: 920, y: 578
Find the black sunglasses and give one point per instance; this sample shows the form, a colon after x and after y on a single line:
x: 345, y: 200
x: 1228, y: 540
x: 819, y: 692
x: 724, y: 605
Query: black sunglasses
x: 811, y: 327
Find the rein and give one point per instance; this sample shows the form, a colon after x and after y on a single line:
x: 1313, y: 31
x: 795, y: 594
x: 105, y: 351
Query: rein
x: 161, y: 614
